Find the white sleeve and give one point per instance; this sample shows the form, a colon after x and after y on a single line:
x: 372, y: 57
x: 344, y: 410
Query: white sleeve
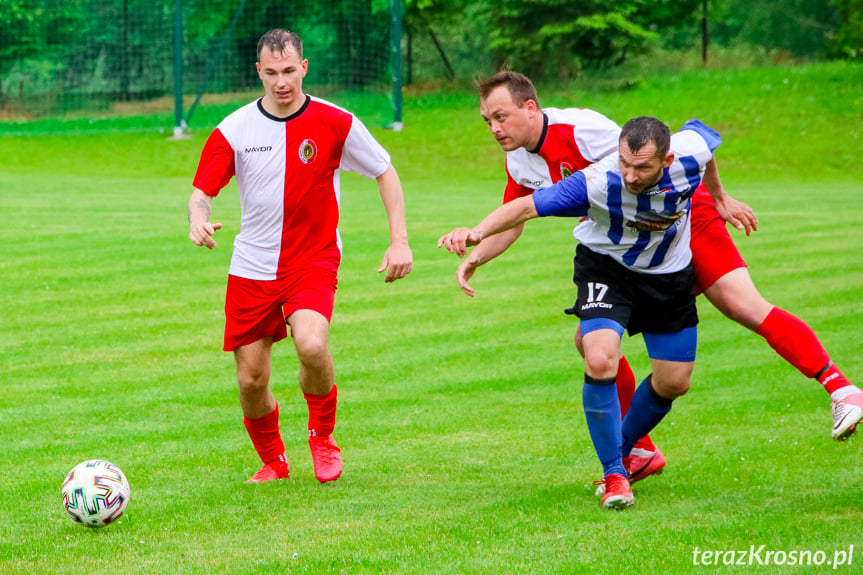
x: 691, y: 144
x: 362, y: 153
x: 595, y: 135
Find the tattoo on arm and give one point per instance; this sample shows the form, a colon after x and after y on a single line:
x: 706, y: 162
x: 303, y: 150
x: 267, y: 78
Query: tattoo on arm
x: 203, y: 206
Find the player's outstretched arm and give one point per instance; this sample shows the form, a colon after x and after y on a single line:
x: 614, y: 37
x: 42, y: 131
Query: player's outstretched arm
x: 398, y: 259
x: 732, y: 211
x: 484, y: 253
x: 504, y: 218
x: 200, y: 229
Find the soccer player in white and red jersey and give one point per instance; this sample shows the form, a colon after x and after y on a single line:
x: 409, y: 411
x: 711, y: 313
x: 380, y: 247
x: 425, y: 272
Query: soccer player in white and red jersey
x: 544, y: 145
x: 286, y: 150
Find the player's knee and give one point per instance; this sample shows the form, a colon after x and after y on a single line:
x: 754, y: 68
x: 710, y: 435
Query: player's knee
x: 252, y: 378
x: 741, y: 313
x: 671, y: 389
x: 600, y: 364
x: 312, y: 350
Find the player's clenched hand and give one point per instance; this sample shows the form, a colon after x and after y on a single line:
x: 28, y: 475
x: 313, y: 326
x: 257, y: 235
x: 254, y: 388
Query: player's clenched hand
x: 737, y: 214
x: 398, y: 262
x: 458, y: 240
x: 201, y: 234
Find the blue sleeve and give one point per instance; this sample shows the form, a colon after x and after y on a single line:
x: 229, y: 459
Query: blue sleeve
x: 567, y: 198
x: 710, y: 136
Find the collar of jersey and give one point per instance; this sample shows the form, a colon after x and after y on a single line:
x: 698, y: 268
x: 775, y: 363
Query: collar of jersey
x: 542, y: 136
x: 286, y: 118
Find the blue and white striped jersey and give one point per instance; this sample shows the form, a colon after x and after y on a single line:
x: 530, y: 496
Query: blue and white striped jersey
x: 616, y: 226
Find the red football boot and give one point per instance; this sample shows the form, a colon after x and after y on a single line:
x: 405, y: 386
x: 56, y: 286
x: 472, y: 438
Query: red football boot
x: 617, y: 493
x: 326, y: 458
x: 278, y: 469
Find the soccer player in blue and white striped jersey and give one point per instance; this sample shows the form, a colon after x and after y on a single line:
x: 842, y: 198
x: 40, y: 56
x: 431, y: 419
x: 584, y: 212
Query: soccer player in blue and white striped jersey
x: 633, y: 271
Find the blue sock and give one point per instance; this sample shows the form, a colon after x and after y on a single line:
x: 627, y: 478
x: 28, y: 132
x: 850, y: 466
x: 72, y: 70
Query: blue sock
x: 602, y: 410
x: 645, y: 412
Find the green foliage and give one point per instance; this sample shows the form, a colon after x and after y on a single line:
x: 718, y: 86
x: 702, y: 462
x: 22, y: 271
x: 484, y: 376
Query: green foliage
x: 61, y: 56
x: 556, y: 39
x: 848, y: 41
x: 346, y: 43
x: 73, y: 56
x: 801, y: 28
x: 23, y: 24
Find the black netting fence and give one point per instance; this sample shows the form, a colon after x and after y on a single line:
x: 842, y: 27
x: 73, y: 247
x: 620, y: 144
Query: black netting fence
x: 90, y: 57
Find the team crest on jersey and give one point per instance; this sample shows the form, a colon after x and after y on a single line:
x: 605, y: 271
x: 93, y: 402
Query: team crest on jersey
x: 650, y: 221
x: 565, y: 170
x: 308, y: 151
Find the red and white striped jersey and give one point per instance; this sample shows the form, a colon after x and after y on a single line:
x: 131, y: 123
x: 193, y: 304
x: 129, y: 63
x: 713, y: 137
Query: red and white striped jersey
x: 572, y: 139
x: 287, y: 173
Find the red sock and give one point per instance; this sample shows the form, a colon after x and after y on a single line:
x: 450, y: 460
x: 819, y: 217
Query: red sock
x: 265, y: 436
x: 625, y: 385
x: 322, y: 412
x: 795, y: 341
x: 625, y: 389
x: 833, y: 380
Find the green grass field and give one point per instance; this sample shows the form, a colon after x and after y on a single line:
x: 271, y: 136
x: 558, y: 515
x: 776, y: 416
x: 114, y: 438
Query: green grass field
x: 460, y: 420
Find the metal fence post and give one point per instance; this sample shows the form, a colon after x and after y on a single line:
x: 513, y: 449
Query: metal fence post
x: 179, y: 124
x: 396, y: 47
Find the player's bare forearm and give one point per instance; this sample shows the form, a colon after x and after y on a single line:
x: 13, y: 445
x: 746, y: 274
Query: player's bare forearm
x: 492, y: 247
x: 504, y: 218
x: 735, y: 212
x: 712, y: 182
x: 200, y: 207
x: 398, y: 259
x: 201, y: 210
x: 394, y: 204
x: 200, y: 229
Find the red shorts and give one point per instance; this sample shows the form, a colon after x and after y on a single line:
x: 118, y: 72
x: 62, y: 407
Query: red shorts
x: 713, y: 251
x: 255, y: 309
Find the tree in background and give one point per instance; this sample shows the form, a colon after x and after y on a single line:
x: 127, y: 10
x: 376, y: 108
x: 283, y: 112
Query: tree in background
x: 445, y: 39
x: 34, y: 38
x: 346, y: 41
x: 848, y: 40
x: 72, y: 54
x: 799, y: 28
x: 557, y: 38
x: 794, y: 28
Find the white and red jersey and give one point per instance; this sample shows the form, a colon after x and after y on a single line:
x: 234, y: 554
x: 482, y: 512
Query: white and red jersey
x: 287, y: 172
x: 571, y: 140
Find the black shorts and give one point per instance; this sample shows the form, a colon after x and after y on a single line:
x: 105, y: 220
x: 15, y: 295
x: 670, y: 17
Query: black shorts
x: 652, y: 303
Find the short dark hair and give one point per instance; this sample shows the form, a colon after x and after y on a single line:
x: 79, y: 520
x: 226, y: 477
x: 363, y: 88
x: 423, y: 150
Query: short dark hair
x: 278, y: 40
x: 519, y: 86
x: 638, y: 132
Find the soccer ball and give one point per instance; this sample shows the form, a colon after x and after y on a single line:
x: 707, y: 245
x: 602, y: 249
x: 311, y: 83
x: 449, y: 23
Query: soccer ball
x: 95, y: 493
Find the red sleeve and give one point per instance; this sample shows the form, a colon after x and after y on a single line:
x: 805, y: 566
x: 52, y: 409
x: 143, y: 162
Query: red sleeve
x: 514, y: 190
x: 216, y: 167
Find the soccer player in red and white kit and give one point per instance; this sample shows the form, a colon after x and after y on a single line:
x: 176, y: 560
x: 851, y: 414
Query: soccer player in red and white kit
x: 544, y: 146
x: 286, y: 150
